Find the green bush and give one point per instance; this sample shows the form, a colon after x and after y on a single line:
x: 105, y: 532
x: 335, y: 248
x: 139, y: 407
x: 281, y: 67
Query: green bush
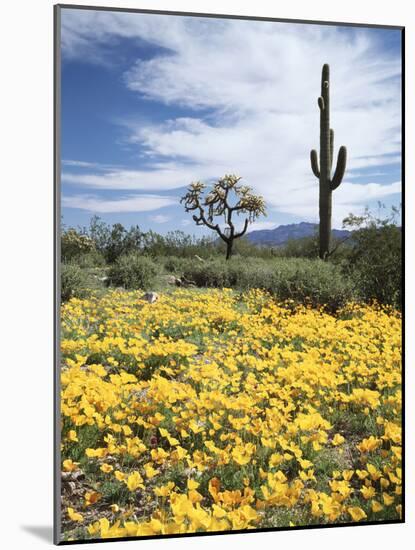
x: 133, y: 271
x: 375, y: 259
x: 212, y: 273
x: 90, y: 259
x: 312, y: 281
x: 73, y: 282
x: 74, y: 244
x: 376, y: 264
x: 302, y: 280
x: 305, y: 247
x: 175, y: 265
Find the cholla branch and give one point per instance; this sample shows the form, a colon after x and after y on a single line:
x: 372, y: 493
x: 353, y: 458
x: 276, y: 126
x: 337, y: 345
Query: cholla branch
x: 217, y: 203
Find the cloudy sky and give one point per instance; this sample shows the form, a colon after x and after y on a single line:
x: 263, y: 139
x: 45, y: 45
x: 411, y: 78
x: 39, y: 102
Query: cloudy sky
x: 151, y: 103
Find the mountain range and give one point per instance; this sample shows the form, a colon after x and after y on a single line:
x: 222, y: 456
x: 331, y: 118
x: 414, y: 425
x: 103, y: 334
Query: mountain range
x: 284, y: 233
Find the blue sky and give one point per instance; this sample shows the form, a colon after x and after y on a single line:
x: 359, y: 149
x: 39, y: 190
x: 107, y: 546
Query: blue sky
x: 151, y: 103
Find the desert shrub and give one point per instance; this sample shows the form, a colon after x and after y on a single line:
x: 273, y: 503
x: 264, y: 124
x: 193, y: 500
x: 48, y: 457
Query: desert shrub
x: 212, y: 273
x: 314, y: 282
x: 75, y: 244
x: 113, y: 241
x: 178, y: 244
x: 305, y: 247
x: 73, y: 281
x: 122, y: 242
x: 243, y: 247
x: 116, y: 240
x: 253, y: 273
x: 177, y: 266
x: 302, y: 280
x: 133, y: 271
x: 90, y: 259
x: 375, y: 264
x: 308, y: 247
x: 375, y: 259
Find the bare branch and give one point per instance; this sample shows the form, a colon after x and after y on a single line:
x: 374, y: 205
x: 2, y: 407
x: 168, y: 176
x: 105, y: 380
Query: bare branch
x: 337, y: 245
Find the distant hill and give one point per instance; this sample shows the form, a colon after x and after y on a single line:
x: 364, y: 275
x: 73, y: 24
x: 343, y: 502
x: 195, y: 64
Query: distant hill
x: 284, y: 233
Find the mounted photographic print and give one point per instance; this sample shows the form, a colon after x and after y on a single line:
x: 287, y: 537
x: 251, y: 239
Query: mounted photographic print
x: 229, y: 282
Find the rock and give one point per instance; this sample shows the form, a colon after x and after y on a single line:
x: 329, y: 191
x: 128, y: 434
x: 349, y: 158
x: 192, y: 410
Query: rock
x: 150, y: 297
x: 182, y: 282
x: 72, y: 476
x: 186, y: 282
x: 172, y: 280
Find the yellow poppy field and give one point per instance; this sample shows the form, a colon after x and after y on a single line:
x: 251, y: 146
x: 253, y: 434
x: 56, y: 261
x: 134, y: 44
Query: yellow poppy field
x: 215, y: 410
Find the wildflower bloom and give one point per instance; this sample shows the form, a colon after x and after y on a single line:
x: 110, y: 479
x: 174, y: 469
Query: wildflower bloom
x: 208, y: 410
x: 75, y: 516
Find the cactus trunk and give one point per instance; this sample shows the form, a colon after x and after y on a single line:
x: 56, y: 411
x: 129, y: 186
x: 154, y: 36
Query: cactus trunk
x: 327, y: 184
x: 325, y: 207
x: 325, y: 192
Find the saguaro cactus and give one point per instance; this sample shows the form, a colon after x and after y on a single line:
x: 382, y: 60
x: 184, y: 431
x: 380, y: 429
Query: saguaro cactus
x: 323, y: 172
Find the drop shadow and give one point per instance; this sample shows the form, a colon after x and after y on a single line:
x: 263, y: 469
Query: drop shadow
x: 43, y: 532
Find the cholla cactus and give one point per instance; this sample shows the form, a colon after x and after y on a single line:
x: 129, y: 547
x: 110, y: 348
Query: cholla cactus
x: 217, y: 203
x: 327, y: 183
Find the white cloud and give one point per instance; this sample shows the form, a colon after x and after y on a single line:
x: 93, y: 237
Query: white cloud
x: 160, y: 218
x: 89, y: 35
x: 78, y: 163
x: 84, y: 164
x: 136, y: 203
x: 139, y: 180
x: 260, y: 82
x: 348, y: 198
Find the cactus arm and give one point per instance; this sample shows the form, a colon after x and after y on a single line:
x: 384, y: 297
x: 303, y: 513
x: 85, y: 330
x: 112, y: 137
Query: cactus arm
x: 340, y: 168
x: 331, y: 147
x: 320, y: 102
x: 243, y: 231
x: 314, y: 163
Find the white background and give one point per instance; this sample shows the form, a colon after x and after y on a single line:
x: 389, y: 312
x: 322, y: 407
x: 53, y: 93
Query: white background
x: 26, y: 253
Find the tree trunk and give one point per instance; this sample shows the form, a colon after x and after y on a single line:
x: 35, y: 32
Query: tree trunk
x: 229, y: 249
